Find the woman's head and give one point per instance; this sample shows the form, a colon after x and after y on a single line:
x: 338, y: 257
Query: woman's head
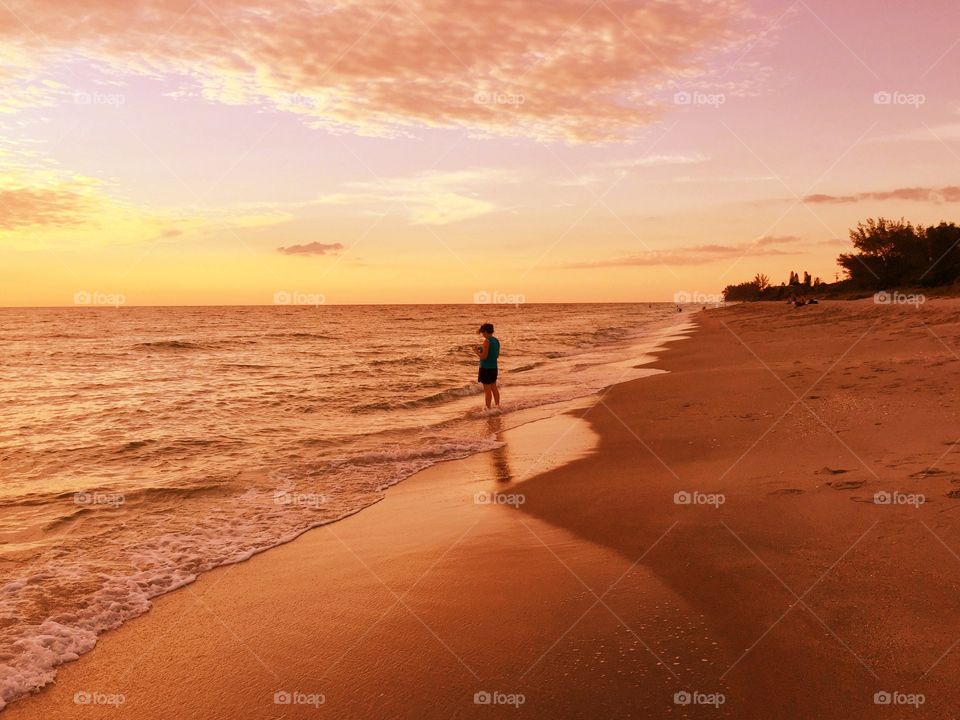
x: 486, y: 329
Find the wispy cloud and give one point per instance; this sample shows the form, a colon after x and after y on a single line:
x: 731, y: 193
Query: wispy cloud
x: 429, y: 198
x: 949, y: 194
x: 657, y: 160
x: 699, y: 254
x: 623, y: 166
x: 314, y: 248
x: 945, y: 132
x: 44, y: 207
x: 564, y: 69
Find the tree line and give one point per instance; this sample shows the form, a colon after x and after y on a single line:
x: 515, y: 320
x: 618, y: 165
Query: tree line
x: 887, y: 254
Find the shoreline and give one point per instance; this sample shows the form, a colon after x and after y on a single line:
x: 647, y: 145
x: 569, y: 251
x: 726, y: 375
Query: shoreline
x: 598, y: 594
x: 500, y: 426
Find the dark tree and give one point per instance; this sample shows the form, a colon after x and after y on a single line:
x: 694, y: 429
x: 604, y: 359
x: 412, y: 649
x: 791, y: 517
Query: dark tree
x: 744, y: 292
x: 887, y: 254
x: 943, y: 250
x: 890, y: 253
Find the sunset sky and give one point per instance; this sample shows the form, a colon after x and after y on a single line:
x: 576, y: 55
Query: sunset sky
x: 221, y: 152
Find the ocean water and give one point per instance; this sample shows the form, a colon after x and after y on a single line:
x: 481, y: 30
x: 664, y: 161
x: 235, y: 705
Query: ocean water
x: 140, y: 447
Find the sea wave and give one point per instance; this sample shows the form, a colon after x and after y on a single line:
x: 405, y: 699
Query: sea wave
x: 437, y: 398
x: 169, y: 345
x: 263, y: 518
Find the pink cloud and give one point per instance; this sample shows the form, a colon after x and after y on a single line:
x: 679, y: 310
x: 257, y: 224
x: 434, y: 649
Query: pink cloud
x: 25, y: 207
x: 698, y: 254
x: 950, y: 193
x: 570, y: 69
x: 314, y: 248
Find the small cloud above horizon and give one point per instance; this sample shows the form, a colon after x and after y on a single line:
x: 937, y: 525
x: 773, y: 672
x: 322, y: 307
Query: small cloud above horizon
x: 950, y: 193
x: 657, y: 160
x: 314, y: 248
x: 699, y: 254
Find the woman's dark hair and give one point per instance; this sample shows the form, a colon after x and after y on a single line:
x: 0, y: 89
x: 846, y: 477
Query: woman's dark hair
x: 487, y: 327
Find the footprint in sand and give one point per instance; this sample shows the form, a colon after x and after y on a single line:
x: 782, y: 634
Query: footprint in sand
x: 929, y: 472
x: 845, y: 484
x: 829, y: 471
x: 787, y: 491
x: 954, y: 494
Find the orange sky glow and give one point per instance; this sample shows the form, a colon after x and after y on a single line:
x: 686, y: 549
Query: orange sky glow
x: 397, y: 151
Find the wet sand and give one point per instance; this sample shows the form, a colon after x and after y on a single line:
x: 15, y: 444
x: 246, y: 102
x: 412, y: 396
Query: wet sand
x: 778, y: 583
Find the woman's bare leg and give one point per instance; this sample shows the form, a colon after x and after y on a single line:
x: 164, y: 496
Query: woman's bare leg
x: 486, y: 394
x: 496, y: 395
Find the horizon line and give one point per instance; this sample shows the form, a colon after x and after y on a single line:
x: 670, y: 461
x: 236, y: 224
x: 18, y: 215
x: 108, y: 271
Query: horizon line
x: 319, y: 305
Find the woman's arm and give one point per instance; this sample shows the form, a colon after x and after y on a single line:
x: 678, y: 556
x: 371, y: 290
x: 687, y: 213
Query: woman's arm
x: 484, y: 351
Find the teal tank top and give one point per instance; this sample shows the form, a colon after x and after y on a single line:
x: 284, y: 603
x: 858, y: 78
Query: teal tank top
x: 492, y: 354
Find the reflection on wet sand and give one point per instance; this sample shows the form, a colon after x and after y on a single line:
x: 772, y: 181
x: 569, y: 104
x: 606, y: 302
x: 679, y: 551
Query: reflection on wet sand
x: 501, y: 455
x: 537, y: 447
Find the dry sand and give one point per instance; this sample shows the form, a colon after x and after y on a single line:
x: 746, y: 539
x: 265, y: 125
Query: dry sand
x: 600, y: 595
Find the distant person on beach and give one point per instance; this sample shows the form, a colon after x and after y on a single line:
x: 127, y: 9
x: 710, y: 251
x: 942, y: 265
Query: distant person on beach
x: 488, y: 354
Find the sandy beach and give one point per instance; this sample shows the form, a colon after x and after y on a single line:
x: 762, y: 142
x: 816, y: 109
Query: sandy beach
x: 766, y: 530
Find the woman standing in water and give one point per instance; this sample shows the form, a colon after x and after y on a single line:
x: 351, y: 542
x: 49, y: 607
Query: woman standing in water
x: 488, y: 354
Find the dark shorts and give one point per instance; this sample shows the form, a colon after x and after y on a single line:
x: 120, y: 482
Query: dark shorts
x: 487, y: 376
